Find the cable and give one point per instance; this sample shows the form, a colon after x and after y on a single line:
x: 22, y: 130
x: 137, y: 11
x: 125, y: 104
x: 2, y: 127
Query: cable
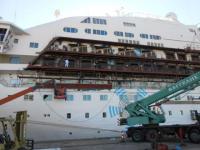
x: 67, y: 125
x: 63, y: 118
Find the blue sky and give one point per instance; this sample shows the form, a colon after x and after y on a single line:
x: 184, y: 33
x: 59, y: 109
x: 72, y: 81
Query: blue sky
x: 28, y: 13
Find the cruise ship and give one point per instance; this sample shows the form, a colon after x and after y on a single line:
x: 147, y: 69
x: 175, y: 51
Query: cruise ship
x: 84, y: 68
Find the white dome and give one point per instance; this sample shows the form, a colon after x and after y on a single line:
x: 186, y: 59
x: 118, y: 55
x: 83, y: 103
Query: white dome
x: 172, y: 15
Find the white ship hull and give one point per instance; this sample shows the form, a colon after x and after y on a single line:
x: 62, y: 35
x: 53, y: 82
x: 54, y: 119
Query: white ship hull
x: 56, y: 126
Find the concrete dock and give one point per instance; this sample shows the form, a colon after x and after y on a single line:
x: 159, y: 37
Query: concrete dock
x: 108, y: 144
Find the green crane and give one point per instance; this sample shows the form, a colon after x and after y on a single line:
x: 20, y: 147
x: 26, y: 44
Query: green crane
x: 140, y: 112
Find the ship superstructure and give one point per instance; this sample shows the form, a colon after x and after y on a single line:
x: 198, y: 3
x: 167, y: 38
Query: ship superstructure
x: 93, y: 64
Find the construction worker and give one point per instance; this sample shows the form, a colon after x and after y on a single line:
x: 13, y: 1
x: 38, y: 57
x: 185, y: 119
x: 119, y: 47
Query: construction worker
x: 66, y: 63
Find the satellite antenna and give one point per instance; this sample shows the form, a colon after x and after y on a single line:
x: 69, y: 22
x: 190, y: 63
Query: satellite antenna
x: 57, y: 13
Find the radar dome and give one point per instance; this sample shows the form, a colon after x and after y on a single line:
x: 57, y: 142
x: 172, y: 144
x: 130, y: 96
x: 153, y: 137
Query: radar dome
x: 172, y: 16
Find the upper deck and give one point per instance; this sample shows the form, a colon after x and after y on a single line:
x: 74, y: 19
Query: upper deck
x: 130, y: 30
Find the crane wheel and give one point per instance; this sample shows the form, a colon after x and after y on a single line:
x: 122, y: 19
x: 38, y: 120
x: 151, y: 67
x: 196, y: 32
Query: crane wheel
x: 151, y: 135
x: 194, y: 135
x: 137, y: 136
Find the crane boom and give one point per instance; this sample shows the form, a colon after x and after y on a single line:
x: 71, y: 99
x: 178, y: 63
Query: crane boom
x: 139, y: 111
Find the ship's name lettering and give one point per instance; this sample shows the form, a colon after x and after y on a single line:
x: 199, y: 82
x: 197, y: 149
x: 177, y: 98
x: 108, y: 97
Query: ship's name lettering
x: 182, y: 83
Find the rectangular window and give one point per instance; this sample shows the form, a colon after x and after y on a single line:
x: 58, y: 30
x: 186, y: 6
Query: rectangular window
x: 170, y: 113
x: 104, y: 114
x: 70, y: 97
x: 181, y: 111
x: 193, y: 114
x: 98, y: 21
x: 98, y: 32
x: 31, y: 97
x: 2, y: 33
x: 69, y: 116
x: 46, y: 115
x: 189, y: 97
x: 128, y: 24
x: 94, y: 31
x: 94, y: 21
x: 34, y: 45
x: 73, y: 30
x: 25, y: 97
x: 86, y: 97
x: 101, y: 21
x: 15, y: 60
x: 68, y: 30
x: 87, y: 115
x: 28, y: 97
x: 16, y: 41
x: 103, y: 97
x: 47, y: 97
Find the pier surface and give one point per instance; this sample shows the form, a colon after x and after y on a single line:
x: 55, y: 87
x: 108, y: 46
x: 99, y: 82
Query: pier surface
x: 107, y: 144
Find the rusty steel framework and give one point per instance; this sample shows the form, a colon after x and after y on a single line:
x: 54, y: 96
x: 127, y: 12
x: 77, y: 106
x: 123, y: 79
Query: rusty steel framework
x: 93, y: 64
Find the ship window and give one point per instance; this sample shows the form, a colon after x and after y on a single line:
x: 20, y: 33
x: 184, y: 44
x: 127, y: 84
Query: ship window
x: 69, y: 116
x: 170, y: 113
x: 87, y: 20
x: 104, y: 114
x: 28, y: 97
x: 46, y: 115
x: 103, y: 97
x: 16, y: 41
x: 87, y: 97
x: 119, y: 40
x: 181, y: 111
x: 118, y: 33
x: 130, y: 35
x: 71, y: 30
x: 2, y: 33
x: 99, y: 21
x: 128, y: 24
x: 70, y: 97
x: 189, y: 97
x: 99, y: 32
x: 145, y: 36
x: 47, y: 97
x: 34, y: 45
x: 87, y: 115
x: 15, y: 60
x: 88, y: 31
x: 155, y: 37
